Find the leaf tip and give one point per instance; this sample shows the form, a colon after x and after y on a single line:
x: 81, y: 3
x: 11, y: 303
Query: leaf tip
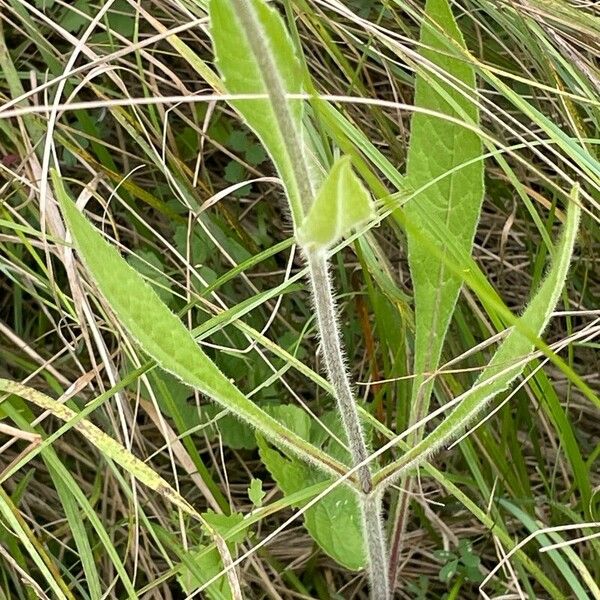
x: 342, y: 204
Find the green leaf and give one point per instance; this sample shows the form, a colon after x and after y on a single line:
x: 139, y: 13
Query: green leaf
x: 149, y: 265
x: 509, y: 360
x: 293, y: 417
x: 206, y: 566
x: 202, y: 564
x: 223, y: 523
x: 172, y: 398
x: 444, y: 555
x: 438, y: 146
x: 234, y: 172
x: 470, y: 560
x: 342, y: 203
x: 238, y: 140
x: 289, y: 474
x: 473, y: 574
x: 244, y: 73
x: 163, y: 336
x: 255, y: 155
x: 233, y: 433
x: 121, y: 18
x: 335, y: 522
x: 187, y: 143
x: 448, y: 571
x: 72, y: 21
x: 256, y: 492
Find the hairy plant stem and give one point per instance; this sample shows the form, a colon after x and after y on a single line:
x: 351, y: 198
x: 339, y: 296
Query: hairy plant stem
x: 331, y: 346
x: 371, y: 506
x: 300, y: 197
x: 335, y: 364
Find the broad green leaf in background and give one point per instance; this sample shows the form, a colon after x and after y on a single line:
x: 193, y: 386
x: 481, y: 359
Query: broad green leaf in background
x: 436, y: 147
x: 243, y: 74
x: 163, y: 336
x: 231, y: 432
x: 173, y: 396
x: 335, y: 521
x: 208, y: 564
x: 509, y: 360
x: 256, y: 493
x: 341, y: 204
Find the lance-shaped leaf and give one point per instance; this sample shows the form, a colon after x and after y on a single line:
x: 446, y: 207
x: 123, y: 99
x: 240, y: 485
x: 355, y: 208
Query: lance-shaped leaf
x: 507, y: 363
x: 342, y: 203
x: 255, y: 55
x: 163, y: 336
x: 438, y: 146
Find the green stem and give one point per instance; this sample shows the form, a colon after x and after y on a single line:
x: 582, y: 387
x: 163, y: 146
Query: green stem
x: 335, y: 363
x: 333, y: 354
x: 300, y: 195
x: 371, y: 506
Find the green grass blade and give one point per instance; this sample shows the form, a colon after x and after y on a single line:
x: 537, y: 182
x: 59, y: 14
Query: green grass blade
x: 437, y: 147
x: 63, y: 478
x: 107, y: 445
x: 80, y: 536
x: 545, y: 539
x: 506, y: 364
x: 163, y: 336
x: 18, y: 528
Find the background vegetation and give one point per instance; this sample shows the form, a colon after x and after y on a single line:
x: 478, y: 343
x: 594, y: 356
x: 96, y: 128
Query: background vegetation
x: 188, y: 194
